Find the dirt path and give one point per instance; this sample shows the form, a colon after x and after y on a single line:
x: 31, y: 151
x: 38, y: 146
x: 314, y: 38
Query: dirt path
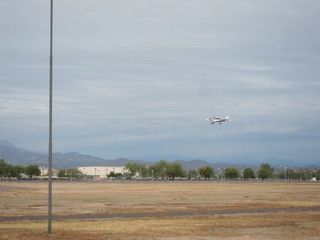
x: 161, y: 214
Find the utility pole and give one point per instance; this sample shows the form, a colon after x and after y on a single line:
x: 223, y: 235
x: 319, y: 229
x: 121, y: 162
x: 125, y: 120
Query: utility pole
x: 50, y: 127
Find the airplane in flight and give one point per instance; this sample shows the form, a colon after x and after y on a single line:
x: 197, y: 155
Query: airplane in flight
x: 218, y: 119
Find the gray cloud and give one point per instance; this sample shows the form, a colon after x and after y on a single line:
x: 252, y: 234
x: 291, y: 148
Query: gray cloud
x: 136, y: 78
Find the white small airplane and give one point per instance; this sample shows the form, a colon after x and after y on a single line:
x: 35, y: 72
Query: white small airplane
x: 218, y: 119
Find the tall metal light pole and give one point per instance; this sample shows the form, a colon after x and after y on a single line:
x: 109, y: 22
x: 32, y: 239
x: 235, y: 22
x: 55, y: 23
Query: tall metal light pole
x: 50, y: 128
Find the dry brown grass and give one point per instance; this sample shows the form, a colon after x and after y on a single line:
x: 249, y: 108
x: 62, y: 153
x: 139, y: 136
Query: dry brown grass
x: 267, y: 226
x: 74, y: 198
x: 31, y: 198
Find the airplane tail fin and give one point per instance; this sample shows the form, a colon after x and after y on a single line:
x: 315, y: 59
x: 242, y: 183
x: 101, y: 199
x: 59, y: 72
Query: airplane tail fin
x: 228, y: 118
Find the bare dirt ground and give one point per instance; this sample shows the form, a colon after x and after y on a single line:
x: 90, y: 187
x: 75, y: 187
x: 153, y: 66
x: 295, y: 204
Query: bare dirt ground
x: 171, y: 210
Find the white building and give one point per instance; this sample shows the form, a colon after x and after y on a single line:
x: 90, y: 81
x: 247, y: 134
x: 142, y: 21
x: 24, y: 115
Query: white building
x: 44, y: 172
x: 101, y: 172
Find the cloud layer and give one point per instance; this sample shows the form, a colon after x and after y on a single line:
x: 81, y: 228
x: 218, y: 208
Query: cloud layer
x: 136, y: 78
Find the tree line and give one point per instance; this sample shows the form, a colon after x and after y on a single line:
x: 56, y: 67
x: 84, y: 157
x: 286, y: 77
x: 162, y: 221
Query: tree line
x: 168, y: 170
x: 160, y: 170
x: 8, y: 171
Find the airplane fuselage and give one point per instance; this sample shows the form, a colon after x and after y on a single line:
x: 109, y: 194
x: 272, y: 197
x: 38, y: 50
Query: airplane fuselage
x: 218, y: 120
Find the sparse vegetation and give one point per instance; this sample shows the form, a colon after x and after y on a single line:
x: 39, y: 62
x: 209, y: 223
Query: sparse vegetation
x: 26, y: 198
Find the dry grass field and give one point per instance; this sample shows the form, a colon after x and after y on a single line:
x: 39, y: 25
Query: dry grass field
x: 289, y: 222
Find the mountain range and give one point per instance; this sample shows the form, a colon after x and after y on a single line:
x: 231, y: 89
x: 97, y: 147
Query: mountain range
x: 19, y: 156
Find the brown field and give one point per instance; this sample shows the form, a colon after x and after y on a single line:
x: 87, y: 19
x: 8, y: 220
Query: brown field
x: 289, y: 222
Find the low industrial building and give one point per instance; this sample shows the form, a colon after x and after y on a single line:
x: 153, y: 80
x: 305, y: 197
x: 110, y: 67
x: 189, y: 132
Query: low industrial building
x: 101, y: 172
x: 44, y: 171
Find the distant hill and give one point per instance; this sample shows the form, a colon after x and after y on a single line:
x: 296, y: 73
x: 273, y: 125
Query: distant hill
x: 19, y: 156
x: 193, y: 164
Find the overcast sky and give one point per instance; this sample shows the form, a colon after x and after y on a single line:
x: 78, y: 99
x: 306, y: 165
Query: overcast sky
x: 135, y: 78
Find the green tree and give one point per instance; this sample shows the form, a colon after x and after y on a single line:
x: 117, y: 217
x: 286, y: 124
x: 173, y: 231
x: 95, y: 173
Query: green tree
x: 174, y: 170
x: 15, y: 171
x: 265, y: 171
x: 132, y: 168
x: 297, y: 174
x: 112, y: 175
x: 317, y: 174
x: 62, y: 173
x: 306, y: 174
x: 3, y: 168
x: 231, y: 173
x: 248, y: 173
x: 143, y: 171
x: 159, y: 169
x: 136, y: 168
x: 206, y: 172
x: 115, y: 175
x: 33, y: 170
x: 10, y: 171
